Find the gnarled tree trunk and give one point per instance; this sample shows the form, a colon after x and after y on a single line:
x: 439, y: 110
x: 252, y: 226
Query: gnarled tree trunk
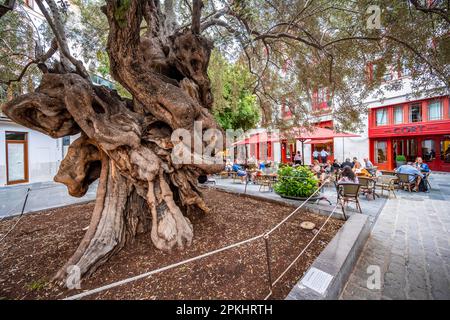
x: 126, y: 144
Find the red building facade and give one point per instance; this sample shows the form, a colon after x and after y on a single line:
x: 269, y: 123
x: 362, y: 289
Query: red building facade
x: 413, y: 129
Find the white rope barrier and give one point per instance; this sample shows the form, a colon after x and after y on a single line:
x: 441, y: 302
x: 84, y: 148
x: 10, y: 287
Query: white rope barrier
x: 302, y: 252
x: 171, y: 266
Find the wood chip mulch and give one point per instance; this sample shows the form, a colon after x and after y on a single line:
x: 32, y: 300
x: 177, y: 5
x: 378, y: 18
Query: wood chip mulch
x: 42, y: 242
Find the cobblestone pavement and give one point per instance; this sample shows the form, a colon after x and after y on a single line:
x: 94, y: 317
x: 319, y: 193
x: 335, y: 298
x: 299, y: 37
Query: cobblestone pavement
x: 410, y: 244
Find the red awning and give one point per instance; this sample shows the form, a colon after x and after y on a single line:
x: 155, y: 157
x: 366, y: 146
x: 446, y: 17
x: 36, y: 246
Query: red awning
x: 299, y: 133
x: 318, y: 133
x: 319, y: 141
x: 260, y: 138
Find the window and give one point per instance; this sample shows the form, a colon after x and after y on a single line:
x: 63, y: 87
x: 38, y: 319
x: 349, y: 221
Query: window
x: 445, y: 149
x: 415, y: 112
x: 381, y: 115
x: 16, y: 136
x: 435, y: 110
x: 428, y: 150
x: 398, y: 115
x: 380, y: 151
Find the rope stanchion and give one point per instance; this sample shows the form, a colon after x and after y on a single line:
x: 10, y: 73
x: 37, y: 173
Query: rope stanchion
x: 265, y: 236
x: 300, y: 254
x: 20, y: 217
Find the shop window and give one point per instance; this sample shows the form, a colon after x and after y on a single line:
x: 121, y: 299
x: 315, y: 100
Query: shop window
x: 381, y: 117
x: 398, y: 115
x: 415, y: 112
x: 435, y: 110
x: 380, y: 151
x: 411, y: 150
x: 428, y: 150
x: 445, y: 149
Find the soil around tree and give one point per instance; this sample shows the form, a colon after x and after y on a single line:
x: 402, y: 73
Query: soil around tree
x: 42, y: 242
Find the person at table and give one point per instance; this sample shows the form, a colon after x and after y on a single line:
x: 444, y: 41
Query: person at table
x: 261, y: 166
x: 367, y: 163
x: 356, y: 164
x: 324, y: 156
x: 315, y: 155
x: 347, y: 163
x: 317, y: 170
x: 241, y: 173
x: 423, y: 167
x: 415, y: 176
x: 348, y: 176
x: 336, y: 165
x: 298, y: 159
x: 328, y: 167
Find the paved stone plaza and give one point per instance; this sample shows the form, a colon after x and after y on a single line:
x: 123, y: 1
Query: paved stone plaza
x: 410, y: 243
x: 43, y: 195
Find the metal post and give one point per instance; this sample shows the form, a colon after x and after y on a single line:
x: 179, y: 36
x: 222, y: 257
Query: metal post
x: 266, y: 241
x: 303, y: 152
x: 25, y: 201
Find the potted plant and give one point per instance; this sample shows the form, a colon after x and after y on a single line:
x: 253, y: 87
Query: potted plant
x: 296, y: 182
x: 400, y: 160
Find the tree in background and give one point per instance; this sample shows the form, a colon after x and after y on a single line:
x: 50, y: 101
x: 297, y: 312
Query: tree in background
x: 234, y: 107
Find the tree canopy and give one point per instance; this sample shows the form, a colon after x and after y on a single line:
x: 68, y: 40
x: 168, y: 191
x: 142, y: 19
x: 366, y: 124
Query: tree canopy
x: 235, y: 106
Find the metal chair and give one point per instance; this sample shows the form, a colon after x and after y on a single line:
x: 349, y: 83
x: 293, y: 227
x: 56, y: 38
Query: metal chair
x: 367, y: 186
x: 387, y: 182
x: 348, y: 192
x: 404, y: 181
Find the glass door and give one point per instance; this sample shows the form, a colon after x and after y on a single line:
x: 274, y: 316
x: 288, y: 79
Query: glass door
x: 16, y: 157
x: 443, y: 160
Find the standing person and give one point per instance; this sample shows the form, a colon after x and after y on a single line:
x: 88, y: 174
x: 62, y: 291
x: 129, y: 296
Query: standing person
x: 316, y: 155
x: 298, y: 158
x: 323, y: 156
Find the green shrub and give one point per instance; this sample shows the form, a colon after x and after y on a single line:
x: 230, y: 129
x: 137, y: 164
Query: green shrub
x: 400, y: 157
x: 296, y: 182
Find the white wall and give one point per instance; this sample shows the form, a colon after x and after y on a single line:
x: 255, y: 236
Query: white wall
x: 353, y: 146
x: 44, y: 153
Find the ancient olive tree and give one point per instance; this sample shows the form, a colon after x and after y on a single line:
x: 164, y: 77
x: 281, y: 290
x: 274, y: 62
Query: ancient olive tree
x: 127, y: 143
x: 159, y: 52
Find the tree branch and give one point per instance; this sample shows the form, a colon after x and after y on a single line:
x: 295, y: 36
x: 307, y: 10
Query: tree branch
x: 196, y: 16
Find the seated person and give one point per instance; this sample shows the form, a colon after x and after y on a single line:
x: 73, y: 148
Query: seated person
x: 336, y: 164
x: 316, y: 167
x: 415, y: 176
x: 348, y: 176
x: 261, y: 165
x: 367, y: 163
x: 328, y: 167
x: 356, y: 164
x: 240, y: 172
x: 423, y: 167
x: 347, y: 163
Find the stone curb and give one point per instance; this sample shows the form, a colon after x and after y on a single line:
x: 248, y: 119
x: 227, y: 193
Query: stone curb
x: 337, y: 259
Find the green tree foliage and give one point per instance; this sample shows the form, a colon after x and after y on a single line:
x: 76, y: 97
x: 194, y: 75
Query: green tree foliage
x: 235, y: 107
